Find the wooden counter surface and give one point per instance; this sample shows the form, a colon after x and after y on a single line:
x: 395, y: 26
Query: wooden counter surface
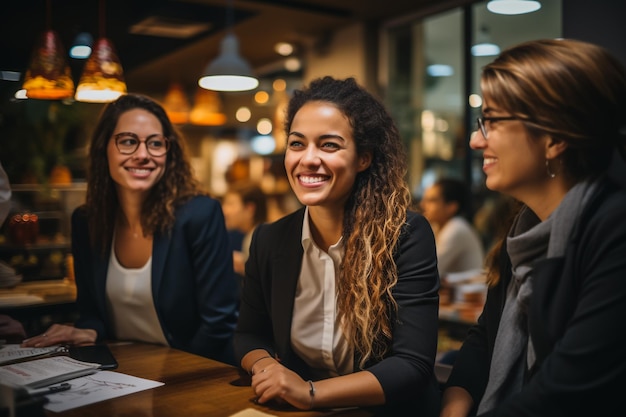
x: 194, y: 386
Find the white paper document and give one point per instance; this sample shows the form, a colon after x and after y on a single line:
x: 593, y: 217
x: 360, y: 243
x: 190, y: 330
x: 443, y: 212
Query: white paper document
x: 95, y: 388
x: 41, y: 372
x: 13, y: 352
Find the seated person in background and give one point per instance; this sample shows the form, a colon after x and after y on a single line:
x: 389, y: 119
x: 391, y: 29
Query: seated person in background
x: 244, y: 206
x: 548, y: 342
x: 459, y: 247
x: 340, y: 302
x: 150, y: 248
x: 5, y: 195
x: 11, y: 330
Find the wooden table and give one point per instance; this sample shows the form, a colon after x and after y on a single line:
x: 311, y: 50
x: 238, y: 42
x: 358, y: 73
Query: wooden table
x: 36, y: 304
x: 194, y: 386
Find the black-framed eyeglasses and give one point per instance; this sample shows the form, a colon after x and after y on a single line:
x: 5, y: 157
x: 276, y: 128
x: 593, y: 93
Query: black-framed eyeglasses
x: 127, y: 143
x: 481, y: 120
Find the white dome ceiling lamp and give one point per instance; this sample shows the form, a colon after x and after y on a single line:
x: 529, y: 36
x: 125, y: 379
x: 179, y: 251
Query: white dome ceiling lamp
x: 484, y: 46
x: 229, y: 71
x: 512, y: 7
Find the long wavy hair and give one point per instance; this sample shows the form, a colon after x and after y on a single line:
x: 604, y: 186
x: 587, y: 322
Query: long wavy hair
x: 573, y: 91
x: 375, y: 214
x: 176, y: 186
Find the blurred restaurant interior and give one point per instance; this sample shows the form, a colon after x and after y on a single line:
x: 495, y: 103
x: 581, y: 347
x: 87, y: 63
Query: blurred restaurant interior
x: 418, y: 56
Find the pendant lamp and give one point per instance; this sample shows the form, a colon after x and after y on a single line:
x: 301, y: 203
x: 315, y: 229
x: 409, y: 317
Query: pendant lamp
x: 513, y: 7
x: 81, y: 48
x: 176, y: 104
x: 48, y: 76
x: 484, y: 46
x: 102, y: 80
x: 207, y: 109
x: 229, y: 71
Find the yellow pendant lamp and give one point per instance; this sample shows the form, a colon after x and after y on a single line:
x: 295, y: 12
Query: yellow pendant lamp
x: 176, y: 104
x: 48, y: 76
x: 207, y: 109
x: 102, y: 80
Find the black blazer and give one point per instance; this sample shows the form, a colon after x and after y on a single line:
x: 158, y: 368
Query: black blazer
x: 576, y: 317
x: 193, y: 286
x: 272, y: 270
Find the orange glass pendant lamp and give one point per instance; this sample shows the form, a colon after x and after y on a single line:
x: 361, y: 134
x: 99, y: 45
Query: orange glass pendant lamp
x: 176, y: 104
x: 49, y: 76
x: 102, y: 80
x: 207, y: 109
x: 103, y: 77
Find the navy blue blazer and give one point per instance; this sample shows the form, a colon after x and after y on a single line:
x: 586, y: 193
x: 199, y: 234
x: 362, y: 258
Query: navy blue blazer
x: 193, y: 286
x: 406, y: 374
x: 577, y: 303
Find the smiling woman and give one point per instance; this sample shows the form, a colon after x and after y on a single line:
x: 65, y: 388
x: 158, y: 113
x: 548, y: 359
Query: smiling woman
x: 354, y: 319
x: 150, y: 247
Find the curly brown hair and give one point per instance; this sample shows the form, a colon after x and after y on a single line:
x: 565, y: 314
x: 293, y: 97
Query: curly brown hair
x: 375, y: 215
x: 174, y: 188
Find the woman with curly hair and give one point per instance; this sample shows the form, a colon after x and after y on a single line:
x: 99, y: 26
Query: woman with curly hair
x: 340, y: 300
x: 150, y: 247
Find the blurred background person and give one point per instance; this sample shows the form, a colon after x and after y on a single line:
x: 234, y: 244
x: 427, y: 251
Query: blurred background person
x: 446, y: 206
x: 5, y: 195
x: 547, y: 342
x: 150, y: 247
x: 245, y: 207
x: 11, y: 330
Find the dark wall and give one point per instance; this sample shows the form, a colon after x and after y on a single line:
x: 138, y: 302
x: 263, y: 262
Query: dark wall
x: 602, y: 22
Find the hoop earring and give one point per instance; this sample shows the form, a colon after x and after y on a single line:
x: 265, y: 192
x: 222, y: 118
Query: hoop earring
x: 550, y: 173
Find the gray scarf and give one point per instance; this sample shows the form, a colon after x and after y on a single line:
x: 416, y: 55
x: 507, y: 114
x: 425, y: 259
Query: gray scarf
x: 529, y: 240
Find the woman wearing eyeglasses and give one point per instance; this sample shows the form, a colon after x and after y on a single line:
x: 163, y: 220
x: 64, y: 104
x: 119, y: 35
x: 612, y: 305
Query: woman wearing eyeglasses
x: 150, y: 247
x: 552, y: 133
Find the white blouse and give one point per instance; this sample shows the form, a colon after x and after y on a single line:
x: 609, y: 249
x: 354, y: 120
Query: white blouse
x: 130, y: 303
x: 316, y: 334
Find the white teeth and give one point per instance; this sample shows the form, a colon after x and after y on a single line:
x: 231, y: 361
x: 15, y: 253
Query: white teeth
x: 488, y: 161
x: 139, y: 171
x: 311, y: 180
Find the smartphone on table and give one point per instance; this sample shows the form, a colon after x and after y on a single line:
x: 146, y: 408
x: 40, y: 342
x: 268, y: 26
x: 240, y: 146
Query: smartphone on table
x: 95, y: 354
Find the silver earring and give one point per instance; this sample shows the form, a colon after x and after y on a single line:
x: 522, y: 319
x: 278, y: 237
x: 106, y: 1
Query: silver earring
x: 550, y: 173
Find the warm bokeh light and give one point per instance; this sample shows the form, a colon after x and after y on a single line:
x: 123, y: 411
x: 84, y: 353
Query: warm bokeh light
x: 292, y: 64
x: 243, y: 114
x: 261, y: 97
x: 475, y: 101
x: 283, y: 48
x: 279, y: 84
x: 264, y: 126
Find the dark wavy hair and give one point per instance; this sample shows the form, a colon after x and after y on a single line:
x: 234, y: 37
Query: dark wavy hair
x: 177, y: 185
x: 375, y: 214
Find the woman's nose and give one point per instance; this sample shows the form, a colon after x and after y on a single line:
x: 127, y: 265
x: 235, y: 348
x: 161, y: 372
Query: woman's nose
x: 477, y: 140
x: 142, y: 151
x: 311, y: 155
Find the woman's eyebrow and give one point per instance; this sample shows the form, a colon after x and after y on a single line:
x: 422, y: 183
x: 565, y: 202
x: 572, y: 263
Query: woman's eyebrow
x: 332, y: 136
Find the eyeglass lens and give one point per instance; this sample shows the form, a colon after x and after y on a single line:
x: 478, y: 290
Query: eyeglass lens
x: 128, y: 143
x: 480, y: 124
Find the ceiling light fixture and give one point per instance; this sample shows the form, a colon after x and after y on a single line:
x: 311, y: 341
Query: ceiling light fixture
x: 512, y: 7
x: 48, y: 76
x: 484, y: 46
x: 103, y: 77
x: 176, y: 104
x: 229, y: 71
x: 207, y: 109
x: 81, y: 48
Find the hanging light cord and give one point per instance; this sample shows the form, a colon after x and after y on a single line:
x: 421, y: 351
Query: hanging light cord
x: 101, y: 19
x: 48, y: 14
x: 230, y: 11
